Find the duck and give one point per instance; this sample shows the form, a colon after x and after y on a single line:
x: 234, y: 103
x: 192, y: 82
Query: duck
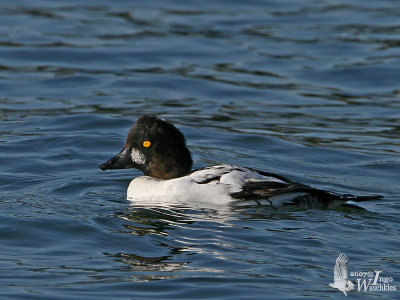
x: 158, y: 149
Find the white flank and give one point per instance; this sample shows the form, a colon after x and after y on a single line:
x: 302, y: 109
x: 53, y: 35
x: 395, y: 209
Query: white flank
x: 191, y: 188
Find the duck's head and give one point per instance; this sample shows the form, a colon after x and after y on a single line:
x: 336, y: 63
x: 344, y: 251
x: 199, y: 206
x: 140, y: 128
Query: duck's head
x: 156, y: 148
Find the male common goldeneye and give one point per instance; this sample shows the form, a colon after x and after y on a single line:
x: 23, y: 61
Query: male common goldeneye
x: 158, y: 149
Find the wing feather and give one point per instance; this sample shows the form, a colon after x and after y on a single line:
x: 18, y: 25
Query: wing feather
x: 257, y: 186
x: 340, y: 270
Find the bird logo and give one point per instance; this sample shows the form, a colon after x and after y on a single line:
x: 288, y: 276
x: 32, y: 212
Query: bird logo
x: 341, y: 282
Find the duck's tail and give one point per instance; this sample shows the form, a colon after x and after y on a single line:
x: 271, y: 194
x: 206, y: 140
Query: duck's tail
x: 333, y: 200
x: 349, y: 197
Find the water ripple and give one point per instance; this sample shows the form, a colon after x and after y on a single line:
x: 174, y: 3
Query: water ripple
x: 305, y: 89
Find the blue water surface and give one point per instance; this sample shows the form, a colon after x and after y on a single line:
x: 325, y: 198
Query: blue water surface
x: 306, y: 89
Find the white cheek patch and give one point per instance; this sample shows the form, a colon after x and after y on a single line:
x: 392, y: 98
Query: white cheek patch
x: 138, y: 157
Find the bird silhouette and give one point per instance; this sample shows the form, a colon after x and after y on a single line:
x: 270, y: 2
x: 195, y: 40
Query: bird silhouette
x: 341, y: 282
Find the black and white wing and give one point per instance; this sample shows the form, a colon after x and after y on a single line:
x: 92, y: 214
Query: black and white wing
x: 278, y: 191
x: 263, y: 188
x: 258, y: 187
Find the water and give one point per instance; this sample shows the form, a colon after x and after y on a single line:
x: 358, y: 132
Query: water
x: 306, y: 89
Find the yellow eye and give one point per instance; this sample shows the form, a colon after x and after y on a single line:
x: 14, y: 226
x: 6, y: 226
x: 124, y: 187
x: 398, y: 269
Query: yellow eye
x: 146, y: 144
